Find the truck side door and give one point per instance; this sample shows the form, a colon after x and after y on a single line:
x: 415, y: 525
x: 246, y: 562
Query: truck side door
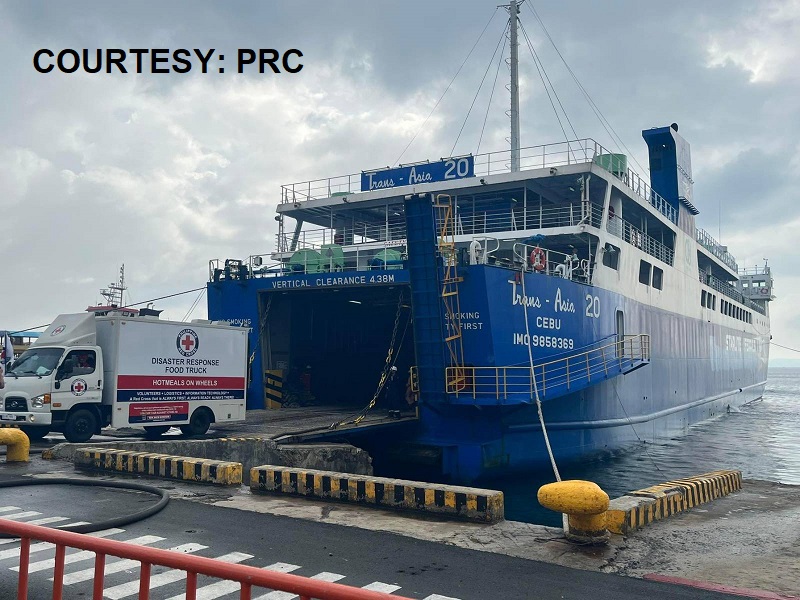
x: 78, y: 379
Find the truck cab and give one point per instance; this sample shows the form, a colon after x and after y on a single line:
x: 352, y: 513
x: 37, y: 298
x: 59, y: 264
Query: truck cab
x: 57, y: 383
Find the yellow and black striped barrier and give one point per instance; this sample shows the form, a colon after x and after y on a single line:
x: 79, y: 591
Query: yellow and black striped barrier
x: 472, y: 504
x: 273, y: 384
x: 183, y: 468
x: 639, y: 508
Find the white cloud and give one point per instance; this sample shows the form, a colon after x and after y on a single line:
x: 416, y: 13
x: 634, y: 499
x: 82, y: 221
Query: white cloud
x: 764, y: 43
x: 164, y: 173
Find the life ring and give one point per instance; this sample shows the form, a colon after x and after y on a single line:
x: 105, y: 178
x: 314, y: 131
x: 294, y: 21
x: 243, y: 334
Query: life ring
x: 764, y: 291
x: 538, y: 260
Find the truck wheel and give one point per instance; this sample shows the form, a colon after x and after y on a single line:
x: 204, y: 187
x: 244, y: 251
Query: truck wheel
x: 80, y: 426
x: 156, y: 430
x: 199, y: 423
x: 35, y: 433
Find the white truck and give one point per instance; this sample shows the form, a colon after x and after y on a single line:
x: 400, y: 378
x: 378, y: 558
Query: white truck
x: 87, y: 372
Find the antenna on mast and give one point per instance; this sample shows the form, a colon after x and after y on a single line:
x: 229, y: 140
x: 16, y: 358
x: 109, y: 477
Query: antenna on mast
x: 513, y: 11
x: 113, y: 293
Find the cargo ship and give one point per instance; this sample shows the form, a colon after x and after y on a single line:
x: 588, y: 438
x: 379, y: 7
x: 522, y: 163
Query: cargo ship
x: 538, y: 290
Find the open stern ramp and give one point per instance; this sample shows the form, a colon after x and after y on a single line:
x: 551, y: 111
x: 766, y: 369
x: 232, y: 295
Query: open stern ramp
x: 513, y: 385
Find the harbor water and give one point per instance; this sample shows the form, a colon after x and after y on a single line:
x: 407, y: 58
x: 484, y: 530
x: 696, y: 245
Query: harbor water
x: 762, y: 440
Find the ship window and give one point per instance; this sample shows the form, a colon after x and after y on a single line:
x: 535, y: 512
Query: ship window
x: 658, y: 278
x: 713, y: 301
x: 644, y: 272
x: 703, y: 298
x: 611, y: 256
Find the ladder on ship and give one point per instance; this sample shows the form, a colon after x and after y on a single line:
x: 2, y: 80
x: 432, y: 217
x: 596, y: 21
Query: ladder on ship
x: 446, y: 221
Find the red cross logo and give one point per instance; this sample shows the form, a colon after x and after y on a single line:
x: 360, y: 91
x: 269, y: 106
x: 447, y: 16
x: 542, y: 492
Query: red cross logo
x: 187, y: 342
x: 78, y: 387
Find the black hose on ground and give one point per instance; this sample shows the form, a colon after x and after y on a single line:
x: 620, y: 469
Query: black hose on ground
x: 109, y: 523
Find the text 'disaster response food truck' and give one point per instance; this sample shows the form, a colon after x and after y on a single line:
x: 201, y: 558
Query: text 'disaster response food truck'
x: 87, y: 372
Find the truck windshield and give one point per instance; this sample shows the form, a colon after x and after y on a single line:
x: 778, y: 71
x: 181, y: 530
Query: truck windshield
x: 36, y: 361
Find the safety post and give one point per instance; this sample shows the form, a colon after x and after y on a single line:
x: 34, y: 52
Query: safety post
x: 18, y: 445
x: 248, y: 577
x: 584, y: 503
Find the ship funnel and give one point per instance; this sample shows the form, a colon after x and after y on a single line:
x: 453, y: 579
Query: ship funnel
x: 670, y: 165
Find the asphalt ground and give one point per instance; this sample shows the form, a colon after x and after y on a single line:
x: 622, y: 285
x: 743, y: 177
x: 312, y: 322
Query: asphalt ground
x: 415, y: 568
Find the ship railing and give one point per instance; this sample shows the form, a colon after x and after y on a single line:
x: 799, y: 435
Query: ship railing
x: 305, y: 262
x: 528, y: 217
x: 730, y: 291
x: 573, y: 152
x: 757, y: 270
x: 637, y: 238
x: 558, y: 154
x: 642, y: 189
x: 721, y: 252
x: 344, y: 236
x: 575, y: 371
x: 491, y: 163
x: 552, y: 263
x: 467, y: 223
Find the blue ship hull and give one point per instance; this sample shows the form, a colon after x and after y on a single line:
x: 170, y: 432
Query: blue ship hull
x: 697, y: 369
x: 569, y: 281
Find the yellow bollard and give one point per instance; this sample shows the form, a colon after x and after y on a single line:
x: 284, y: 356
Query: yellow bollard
x: 584, y: 503
x: 18, y: 445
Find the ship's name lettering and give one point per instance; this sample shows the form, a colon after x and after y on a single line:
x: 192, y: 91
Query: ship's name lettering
x: 421, y: 178
x: 563, y: 305
x: 529, y: 301
x: 543, y: 341
x: 548, y: 323
x: 379, y: 184
x: 739, y: 344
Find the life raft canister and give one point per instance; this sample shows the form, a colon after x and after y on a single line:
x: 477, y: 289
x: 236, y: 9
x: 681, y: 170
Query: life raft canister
x: 537, y: 259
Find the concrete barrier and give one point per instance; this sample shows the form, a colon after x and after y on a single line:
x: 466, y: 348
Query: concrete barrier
x: 181, y: 468
x: 472, y: 504
x: 639, y: 508
x: 250, y: 451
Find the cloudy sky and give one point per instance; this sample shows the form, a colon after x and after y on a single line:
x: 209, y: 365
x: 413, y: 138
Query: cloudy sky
x: 163, y: 172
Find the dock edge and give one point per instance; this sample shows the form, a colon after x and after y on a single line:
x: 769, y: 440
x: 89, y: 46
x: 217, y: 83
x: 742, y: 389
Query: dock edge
x: 473, y: 504
x: 182, y: 468
x: 642, y: 507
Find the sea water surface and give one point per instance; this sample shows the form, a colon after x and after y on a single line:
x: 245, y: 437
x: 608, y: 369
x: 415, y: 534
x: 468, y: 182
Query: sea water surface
x: 762, y: 440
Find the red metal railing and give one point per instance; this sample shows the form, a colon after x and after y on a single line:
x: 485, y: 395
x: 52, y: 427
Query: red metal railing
x: 248, y: 577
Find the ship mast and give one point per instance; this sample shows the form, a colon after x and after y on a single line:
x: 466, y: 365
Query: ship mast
x: 113, y: 294
x: 513, y: 11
